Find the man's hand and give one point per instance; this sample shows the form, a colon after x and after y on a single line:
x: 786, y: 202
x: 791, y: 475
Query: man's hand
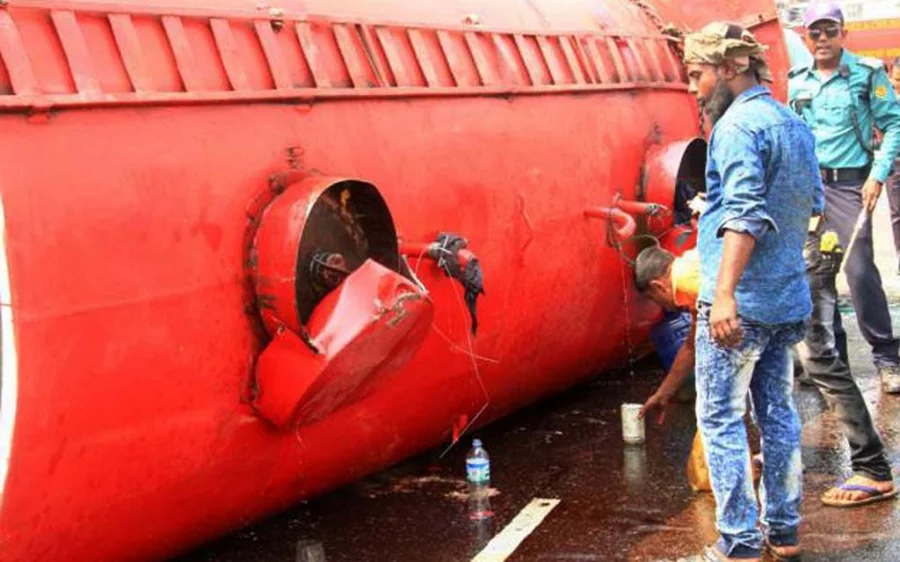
x: 723, y: 321
x: 659, y: 401
x: 871, y: 191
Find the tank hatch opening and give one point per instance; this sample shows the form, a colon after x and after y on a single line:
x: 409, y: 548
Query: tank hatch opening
x: 690, y: 180
x: 674, y: 175
x: 348, y: 223
x: 342, y: 311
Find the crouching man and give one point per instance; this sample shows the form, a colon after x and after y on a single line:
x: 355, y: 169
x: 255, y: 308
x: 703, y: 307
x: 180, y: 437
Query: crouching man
x: 673, y: 283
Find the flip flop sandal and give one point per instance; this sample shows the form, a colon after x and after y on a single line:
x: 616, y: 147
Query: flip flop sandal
x: 773, y: 553
x: 875, y: 495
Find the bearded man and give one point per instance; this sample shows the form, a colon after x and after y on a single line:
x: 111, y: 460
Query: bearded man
x: 763, y: 185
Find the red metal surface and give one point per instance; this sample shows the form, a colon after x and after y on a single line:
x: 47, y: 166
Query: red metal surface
x: 145, y: 145
x: 285, y: 373
x: 760, y: 16
x: 680, y: 239
x: 361, y: 333
x: 876, y: 38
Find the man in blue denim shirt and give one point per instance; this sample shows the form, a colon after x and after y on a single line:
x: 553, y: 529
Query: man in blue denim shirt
x: 763, y: 186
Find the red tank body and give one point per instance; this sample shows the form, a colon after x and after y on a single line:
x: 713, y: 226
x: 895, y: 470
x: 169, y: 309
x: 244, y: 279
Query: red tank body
x: 875, y: 38
x: 222, y: 291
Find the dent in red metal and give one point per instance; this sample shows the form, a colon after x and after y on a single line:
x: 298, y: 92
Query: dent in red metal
x: 370, y: 319
x: 364, y: 330
x: 284, y: 373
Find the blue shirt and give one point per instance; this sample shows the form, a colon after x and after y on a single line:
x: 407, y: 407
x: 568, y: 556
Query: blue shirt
x: 860, y: 89
x: 763, y: 179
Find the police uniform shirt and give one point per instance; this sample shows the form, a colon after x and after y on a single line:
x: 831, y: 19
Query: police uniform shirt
x: 841, y: 110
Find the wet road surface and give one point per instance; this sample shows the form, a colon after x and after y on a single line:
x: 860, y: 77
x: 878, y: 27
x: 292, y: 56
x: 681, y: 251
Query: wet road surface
x: 617, y: 502
x: 628, y: 503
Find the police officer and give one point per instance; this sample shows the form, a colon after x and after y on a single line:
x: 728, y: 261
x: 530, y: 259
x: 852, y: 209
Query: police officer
x: 894, y: 182
x: 841, y: 96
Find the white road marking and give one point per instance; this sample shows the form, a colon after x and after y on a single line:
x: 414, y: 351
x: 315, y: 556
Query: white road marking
x: 503, y: 545
x: 9, y: 376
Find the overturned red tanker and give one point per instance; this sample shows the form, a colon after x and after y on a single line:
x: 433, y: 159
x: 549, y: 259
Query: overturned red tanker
x: 254, y: 252
x: 876, y: 38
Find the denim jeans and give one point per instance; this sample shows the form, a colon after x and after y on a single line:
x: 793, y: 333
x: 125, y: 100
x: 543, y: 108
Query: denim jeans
x: 761, y: 365
x: 824, y: 359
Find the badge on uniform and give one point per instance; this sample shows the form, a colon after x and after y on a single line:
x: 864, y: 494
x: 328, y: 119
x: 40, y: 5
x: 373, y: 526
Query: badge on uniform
x: 881, y: 91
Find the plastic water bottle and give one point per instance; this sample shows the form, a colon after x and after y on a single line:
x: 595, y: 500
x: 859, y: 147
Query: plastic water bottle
x: 478, y: 473
x: 478, y: 465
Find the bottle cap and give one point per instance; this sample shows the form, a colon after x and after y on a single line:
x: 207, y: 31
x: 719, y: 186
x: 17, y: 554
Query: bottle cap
x: 476, y: 442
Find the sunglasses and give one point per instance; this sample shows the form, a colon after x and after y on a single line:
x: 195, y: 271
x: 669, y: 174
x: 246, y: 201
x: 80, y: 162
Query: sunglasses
x: 831, y: 32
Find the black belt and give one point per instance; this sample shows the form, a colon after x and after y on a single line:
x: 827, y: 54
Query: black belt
x: 832, y: 175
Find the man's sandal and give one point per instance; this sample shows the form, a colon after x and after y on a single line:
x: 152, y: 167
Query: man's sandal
x: 873, y: 495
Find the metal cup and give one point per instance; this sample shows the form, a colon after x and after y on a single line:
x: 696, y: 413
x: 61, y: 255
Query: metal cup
x: 632, y: 424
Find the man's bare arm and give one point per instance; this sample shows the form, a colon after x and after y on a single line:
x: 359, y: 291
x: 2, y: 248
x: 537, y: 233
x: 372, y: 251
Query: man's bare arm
x: 682, y: 367
x: 723, y: 319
